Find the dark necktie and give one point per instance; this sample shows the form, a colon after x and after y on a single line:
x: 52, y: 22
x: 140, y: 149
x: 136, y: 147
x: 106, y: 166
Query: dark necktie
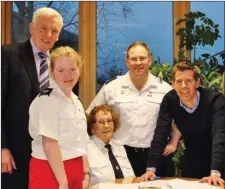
x: 116, y: 167
x: 44, y: 74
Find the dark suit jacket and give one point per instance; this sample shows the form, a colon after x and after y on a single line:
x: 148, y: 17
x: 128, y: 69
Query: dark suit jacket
x: 19, y: 87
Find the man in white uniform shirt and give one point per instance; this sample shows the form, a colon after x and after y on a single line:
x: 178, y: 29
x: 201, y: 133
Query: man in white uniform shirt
x: 136, y: 97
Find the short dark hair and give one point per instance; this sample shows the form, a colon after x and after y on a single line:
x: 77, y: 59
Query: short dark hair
x: 185, y: 65
x: 138, y: 43
x: 91, y: 119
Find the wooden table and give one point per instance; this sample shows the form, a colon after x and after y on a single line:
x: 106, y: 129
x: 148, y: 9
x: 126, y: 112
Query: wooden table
x: 134, y: 180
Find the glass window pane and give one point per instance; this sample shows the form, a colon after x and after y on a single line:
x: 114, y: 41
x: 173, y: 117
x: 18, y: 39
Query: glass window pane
x: 214, y: 11
x: 121, y: 23
x: 22, y: 16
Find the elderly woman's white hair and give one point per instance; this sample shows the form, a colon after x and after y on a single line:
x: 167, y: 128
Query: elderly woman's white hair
x: 46, y: 11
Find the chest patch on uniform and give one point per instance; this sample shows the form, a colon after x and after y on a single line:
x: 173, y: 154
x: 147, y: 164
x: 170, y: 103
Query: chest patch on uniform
x: 46, y: 92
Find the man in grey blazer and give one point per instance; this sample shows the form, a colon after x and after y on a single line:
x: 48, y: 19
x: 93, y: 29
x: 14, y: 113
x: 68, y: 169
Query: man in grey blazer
x: 21, y: 82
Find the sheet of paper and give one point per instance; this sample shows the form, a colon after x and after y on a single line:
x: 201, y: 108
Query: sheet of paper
x: 155, y: 183
x: 117, y: 186
x: 184, y: 184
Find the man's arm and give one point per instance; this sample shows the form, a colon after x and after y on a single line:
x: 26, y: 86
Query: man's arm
x: 218, y: 133
x: 161, y: 134
x: 162, y: 131
x: 7, y: 162
x: 172, y: 146
x: 4, y: 80
x: 218, y: 141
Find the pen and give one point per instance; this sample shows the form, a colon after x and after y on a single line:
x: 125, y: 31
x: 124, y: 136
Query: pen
x: 155, y: 178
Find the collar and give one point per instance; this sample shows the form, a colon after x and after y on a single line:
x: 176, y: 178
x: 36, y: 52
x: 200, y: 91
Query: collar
x: 35, y: 49
x: 59, y: 91
x: 191, y: 110
x: 99, y: 143
x: 151, y: 82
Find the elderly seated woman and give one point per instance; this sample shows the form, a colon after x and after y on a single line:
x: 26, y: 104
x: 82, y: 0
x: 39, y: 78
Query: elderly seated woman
x: 108, y: 159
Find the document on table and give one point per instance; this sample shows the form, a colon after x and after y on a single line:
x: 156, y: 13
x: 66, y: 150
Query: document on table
x: 184, y: 184
x: 117, y: 186
x: 153, y: 184
x: 163, y: 184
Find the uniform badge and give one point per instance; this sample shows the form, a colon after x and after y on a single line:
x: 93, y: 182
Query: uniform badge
x: 46, y: 92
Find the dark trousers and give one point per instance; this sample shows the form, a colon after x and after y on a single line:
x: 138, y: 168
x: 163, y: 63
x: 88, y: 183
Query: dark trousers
x: 195, y: 167
x: 19, y: 178
x: 138, y: 159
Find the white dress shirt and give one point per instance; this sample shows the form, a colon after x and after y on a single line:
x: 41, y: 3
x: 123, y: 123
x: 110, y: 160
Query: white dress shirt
x: 100, y: 165
x: 138, y: 110
x: 57, y: 117
x: 37, y: 59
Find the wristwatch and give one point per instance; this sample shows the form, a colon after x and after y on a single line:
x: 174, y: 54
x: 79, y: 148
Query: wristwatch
x: 215, y: 173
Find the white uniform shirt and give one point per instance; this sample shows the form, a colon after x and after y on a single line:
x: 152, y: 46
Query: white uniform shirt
x: 100, y: 165
x: 138, y: 110
x: 57, y: 117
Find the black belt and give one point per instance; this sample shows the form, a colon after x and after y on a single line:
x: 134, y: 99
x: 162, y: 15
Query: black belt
x: 135, y: 149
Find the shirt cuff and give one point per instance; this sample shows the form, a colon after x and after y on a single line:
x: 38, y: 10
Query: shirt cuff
x: 215, y: 173
x: 151, y: 169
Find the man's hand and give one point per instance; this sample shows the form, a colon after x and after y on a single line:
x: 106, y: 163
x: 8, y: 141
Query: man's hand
x: 8, y: 163
x: 149, y: 175
x: 169, y: 149
x: 213, y: 180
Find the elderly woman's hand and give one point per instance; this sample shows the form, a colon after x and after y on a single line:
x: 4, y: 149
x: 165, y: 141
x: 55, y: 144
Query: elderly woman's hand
x: 86, y: 181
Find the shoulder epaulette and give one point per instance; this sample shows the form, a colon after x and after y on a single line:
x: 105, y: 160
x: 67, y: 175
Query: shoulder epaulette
x: 79, y: 100
x: 46, y: 91
x: 108, y: 81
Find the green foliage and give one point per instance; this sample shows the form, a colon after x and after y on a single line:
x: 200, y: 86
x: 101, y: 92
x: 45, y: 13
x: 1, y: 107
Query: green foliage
x: 199, y: 30
x: 163, y: 71
x: 176, y: 158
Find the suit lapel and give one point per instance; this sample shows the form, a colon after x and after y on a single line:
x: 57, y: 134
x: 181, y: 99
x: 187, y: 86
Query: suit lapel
x: 29, y: 62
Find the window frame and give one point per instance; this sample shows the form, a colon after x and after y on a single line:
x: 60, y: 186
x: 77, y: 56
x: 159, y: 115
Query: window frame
x: 87, y: 40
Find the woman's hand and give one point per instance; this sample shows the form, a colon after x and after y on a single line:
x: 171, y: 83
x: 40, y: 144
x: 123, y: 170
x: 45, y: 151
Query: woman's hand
x: 86, y: 181
x: 63, y: 186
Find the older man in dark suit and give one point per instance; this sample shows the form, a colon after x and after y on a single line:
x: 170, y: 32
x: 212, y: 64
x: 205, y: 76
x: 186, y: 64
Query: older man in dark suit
x: 24, y: 73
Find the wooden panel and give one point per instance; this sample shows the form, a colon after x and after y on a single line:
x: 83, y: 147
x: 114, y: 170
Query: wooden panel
x: 6, y: 19
x: 87, y: 48
x: 179, y: 9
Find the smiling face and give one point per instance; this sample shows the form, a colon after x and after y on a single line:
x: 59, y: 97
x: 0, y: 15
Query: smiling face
x: 104, y: 126
x: 138, y: 60
x: 45, y: 31
x: 185, y: 85
x: 66, y: 73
